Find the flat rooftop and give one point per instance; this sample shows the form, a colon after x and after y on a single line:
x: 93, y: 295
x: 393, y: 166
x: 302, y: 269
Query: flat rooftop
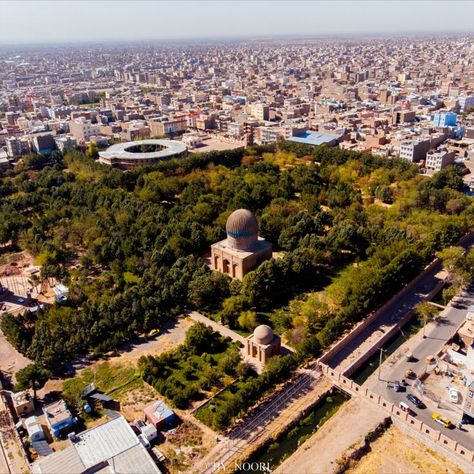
x: 314, y: 138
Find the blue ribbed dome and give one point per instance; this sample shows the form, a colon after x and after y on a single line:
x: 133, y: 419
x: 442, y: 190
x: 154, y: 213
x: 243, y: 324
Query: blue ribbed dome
x: 242, y: 229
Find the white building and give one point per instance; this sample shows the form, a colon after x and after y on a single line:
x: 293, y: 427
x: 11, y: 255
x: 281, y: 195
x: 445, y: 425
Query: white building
x: 438, y: 160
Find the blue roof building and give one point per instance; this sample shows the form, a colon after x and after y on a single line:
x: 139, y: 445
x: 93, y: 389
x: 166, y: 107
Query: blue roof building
x: 445, y: 119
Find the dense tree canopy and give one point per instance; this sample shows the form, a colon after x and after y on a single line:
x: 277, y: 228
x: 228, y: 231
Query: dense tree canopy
x: 129, y: 244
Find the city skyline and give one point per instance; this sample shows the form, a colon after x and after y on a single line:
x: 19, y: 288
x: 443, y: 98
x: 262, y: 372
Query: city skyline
x: 23, y: 22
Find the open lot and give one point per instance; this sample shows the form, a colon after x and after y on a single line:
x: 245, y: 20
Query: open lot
x: 395, y: 452
x: 213, y: 144
x: 347, y: 427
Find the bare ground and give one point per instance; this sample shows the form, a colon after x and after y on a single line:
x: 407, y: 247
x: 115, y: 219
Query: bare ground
x: 395, y: 452
x: 347, y: 427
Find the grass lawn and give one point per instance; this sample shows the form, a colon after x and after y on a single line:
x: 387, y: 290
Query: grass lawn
x: 114, y: 379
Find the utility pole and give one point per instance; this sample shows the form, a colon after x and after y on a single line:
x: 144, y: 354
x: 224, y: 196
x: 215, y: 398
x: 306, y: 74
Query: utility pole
x: 380, y: 360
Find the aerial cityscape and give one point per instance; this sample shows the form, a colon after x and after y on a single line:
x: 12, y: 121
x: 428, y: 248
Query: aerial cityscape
x: 236, y: 237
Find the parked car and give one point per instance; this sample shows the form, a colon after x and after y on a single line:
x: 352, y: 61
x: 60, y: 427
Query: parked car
x: 416, y: 401
x: 453, y: 395
x: 441, y: 420
x: 404, y: 407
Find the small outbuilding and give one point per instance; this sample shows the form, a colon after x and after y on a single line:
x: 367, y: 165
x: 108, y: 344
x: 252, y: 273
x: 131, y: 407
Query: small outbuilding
x: 159, y: 414
x: 34, y: 429
x: 58, y: 417
x: 263, y: 344
x: 23, y: 403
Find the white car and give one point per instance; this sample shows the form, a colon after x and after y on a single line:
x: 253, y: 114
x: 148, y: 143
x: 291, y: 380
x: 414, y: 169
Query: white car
x: 453, y: 395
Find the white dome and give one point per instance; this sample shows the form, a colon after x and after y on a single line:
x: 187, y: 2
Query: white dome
x: 263, y: 334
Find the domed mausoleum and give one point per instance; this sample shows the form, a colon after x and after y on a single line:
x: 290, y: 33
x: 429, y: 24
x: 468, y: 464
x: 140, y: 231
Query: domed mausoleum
x: 243, y: 250
x: 262, y: 344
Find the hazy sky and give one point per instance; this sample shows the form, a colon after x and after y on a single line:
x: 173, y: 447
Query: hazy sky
x: 50, y: 21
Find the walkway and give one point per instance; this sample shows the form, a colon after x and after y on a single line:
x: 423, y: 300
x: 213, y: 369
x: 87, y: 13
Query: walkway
x: 222, y: 330
x: 266, y: 420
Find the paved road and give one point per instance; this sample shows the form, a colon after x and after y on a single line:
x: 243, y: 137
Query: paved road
x: 395, y: 312
x: 224, y: 331
x: 437, y: 333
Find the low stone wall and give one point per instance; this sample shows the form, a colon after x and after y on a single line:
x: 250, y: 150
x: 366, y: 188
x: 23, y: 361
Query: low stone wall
x: 360, y: 451
x: 396, y: 413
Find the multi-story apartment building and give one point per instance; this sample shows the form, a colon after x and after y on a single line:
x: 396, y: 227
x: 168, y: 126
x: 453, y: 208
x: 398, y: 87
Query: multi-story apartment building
x: 259, y: 111
x: 43, y: 143
x: 83, y: 129
x: 65, y: 142
x: 171, y: 126
x: 466, y: 103
x: 445, y: 119
x: 414, y: 150
x: 17, y: 147
x: 436, y: 161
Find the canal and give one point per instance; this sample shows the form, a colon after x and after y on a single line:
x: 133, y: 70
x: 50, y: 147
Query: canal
x: 369, y: 367
x: 289, y: 441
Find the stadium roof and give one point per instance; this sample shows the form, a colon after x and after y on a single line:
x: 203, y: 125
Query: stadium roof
x: 119, y: 150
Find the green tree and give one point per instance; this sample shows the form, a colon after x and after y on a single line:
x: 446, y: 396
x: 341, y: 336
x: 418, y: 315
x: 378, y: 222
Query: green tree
x: 33, y: 376
x: 459, y: 264
x: 427, y: 312
x: 248, y: 320
x: 92, y: 151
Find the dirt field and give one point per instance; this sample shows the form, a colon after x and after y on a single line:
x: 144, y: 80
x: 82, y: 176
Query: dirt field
x: 395, y: 452
x: 347, y: 427
x: 212, y: 144
x: 185, y: 446
x: 11, y: 361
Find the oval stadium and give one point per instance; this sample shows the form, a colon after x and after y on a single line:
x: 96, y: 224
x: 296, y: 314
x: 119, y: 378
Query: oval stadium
x: 140, y: 153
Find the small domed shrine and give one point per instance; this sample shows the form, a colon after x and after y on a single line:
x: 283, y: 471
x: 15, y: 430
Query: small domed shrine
x: 243, y: 250
x: 262, y: 344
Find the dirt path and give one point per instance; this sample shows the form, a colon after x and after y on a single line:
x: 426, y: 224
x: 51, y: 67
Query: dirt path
x: 348, y: 426
x: 224, y: 331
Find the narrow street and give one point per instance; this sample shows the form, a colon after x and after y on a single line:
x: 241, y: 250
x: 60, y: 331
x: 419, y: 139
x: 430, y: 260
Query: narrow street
x: 394, y: 369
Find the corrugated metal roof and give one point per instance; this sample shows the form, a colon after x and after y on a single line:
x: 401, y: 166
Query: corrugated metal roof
x: 67, y: 460
x: 42, y: 448
x: 101, y: 397
x: 135, y: 460
x: 113, y: 442
x: 105, y: 441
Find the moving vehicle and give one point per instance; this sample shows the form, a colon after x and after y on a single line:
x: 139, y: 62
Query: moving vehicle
x: 153, y: 333
x: 416, y: 401
x: 441, y: 420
